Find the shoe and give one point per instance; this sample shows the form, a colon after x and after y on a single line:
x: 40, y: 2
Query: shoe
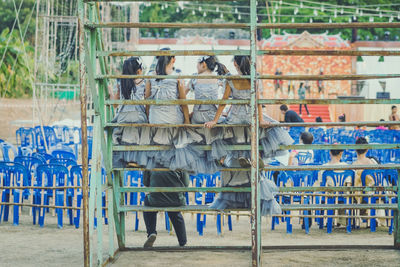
x: 150, y: 241
x: 244, y: 162
x: 301, y: 115
x: 309, y: 115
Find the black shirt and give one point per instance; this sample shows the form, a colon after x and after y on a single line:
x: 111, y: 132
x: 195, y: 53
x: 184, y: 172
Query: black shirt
x: 292, y: 116
x: 166, y: 179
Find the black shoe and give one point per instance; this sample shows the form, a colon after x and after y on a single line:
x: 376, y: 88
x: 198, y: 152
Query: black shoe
x: 244, y: 162
x: 150, y: 241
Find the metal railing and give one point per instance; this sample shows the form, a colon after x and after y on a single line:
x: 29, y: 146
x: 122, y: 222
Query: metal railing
x: 92, y: 58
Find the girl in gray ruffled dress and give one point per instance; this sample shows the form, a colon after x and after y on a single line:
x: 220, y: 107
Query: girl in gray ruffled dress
x: 269, y: 138
x: 131, y: 89
x: 182, y: 154
x: 206, y: 89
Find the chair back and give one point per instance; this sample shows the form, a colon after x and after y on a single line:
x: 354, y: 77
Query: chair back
x: 338, y: 177
x: 13, y: 174
x: 25, y: 137
x: 68, y: 163
x: 52, y: 175
x: 63, y: 154
x: 8, y: 151
x: 299, y: 178
x: 381, y: 177
x: 304, y: 157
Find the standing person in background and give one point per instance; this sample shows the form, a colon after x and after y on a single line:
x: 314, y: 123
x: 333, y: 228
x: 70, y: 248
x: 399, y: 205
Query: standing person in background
x: 302, y: 95
x: 290, y: 115
x: 290, y: 85
x: 307, y: 85
x: 320, y: 84
x: 394, y: 117
x: 156, y: 199
x: 278, y: 83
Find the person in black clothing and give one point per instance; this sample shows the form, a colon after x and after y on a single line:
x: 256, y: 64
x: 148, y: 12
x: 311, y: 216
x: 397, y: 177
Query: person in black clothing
x: 155, y: 199
x: 290, y: 115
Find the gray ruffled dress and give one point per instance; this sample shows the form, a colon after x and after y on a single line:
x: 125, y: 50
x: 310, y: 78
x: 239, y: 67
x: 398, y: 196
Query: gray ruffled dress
x: 131, y: 135
x: 201, y: 114
x: 269, y: 138
x: 182, y: 154
x: 242, y: 200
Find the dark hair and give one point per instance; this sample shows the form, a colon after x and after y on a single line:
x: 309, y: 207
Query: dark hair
x: 283, y: 107
x: 130, y: 67
x: 342, y: 118
x: 393, y: 107
x: 213, y: 65
x: 318, y: 119
x: 301, y: 84
x: 361, y: 141
x: 243, y: 63
x: 336, y: 152
x: 381, y: 120
x: 307, y: 138
x: 162, y: 62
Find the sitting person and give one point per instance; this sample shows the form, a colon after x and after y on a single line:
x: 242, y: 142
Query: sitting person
x: 155, y: 199
x: 362, y: 159
x: 305, y: 138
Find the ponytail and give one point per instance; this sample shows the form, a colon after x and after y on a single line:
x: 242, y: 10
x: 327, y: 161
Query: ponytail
x: 244, y: 64
x: 221, y: 69
x: 162, y: 62
x: 130, y: 67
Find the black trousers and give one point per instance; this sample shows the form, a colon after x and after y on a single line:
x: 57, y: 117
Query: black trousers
x: 305, y: 105
x: 150, y: 219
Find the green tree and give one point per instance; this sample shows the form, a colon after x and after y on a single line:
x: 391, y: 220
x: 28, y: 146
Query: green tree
x: 8, y: 16
x: 15, y: 63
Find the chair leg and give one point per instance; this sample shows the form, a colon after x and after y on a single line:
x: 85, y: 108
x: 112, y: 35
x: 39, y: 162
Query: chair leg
x: 230, y: 222
x: 373, y: 213
x: 78, y: 212
x: 288, y: 224
x: 219, y: 224
x: 16, y: 198
x: 329, y: 225
x: 59, y: 201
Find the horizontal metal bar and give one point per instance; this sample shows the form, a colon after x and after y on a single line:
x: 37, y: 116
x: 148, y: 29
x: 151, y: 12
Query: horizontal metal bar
x: 263, y: 77
x: 288, y: 207
x: 337, y: 206
x: 282, y: 190
x: 292, y: 168
x: 170, y: 25
x: 147, y: 25
x: 266, y: 249
x: 247, y: 147
x: 298, y: 124
x: 185, y: 189
x: 41, y: 187
x: 179, y: 102
x: 260, y: 101
x: 337, y: 101
x: 338, y: 188
x: 276, y: 52
x: 158, y: 1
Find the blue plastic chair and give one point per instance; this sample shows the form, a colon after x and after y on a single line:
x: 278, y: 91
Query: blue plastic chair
x: 304, y: 157
x: 31, y: 164
x: 339, y: 178
x: 68, y: 163
x: 63, y: 154
x: 299, y: 178
x: 49, y: 136
x: 131, y: 179
x: 25, y: 137
x: 13, y: 174
x: 8, y: 151
x: 381, y: 178
x: 50, y: 175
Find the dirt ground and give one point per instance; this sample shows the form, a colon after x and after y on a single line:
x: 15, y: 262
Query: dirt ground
x: 30, y: 245
x: 15, y: 113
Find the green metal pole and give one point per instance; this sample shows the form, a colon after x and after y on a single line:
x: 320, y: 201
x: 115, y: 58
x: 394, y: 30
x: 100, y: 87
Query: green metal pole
x: 255, y: 197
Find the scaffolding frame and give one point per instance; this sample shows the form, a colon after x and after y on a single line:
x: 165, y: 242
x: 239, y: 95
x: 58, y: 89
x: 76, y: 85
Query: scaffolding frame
x: 94, y: 77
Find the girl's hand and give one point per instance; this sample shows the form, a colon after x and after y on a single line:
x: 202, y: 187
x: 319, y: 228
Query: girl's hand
x: 210, y: 124
x: 264, y: 124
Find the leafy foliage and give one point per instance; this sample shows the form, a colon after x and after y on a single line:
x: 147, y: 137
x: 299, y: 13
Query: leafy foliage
x: 15, y: 78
